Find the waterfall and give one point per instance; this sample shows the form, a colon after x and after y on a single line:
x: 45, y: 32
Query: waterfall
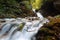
x: 9, y: 30
x: 38, y: 14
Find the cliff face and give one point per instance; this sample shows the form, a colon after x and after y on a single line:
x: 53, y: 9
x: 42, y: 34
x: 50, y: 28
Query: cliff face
x: 50, y: 31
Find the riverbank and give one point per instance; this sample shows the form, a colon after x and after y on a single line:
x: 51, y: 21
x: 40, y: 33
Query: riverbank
x: 51, y: 30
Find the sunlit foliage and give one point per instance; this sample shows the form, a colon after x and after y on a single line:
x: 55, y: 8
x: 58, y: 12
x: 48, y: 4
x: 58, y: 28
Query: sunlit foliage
x: 36, y: 4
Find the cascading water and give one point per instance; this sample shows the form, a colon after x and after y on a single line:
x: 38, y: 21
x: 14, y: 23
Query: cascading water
x: 10, y: 30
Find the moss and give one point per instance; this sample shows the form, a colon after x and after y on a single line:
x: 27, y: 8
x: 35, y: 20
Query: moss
x: 58, y: 16
x: 21, y: 26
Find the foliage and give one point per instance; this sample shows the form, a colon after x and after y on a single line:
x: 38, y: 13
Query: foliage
x: 9, y: 7
x: 13, y: 8
x: 27, y: 5
x: 36, y: 4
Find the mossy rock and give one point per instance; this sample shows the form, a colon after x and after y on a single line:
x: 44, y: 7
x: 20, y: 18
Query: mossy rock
x: 21, y: 26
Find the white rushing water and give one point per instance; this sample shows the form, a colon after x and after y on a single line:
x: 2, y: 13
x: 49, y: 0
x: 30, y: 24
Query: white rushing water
x: 10, y: 29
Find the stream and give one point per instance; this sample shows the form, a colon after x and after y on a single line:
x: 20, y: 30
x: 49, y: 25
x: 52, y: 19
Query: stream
x: 11, y: 28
